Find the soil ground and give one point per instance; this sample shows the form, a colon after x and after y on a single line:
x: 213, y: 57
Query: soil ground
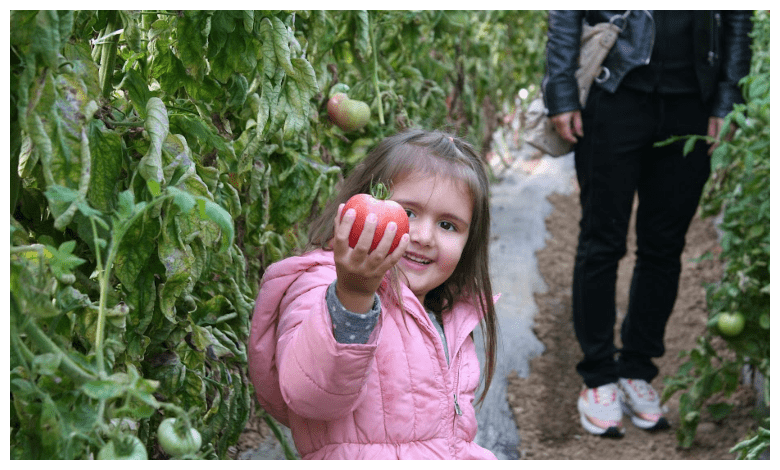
x: 544, y: 403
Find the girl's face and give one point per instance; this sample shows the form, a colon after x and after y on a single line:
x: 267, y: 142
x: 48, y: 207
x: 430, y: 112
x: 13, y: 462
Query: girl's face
x: 439, y: 210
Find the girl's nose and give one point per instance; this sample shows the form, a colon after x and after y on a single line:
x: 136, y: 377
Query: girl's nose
x: 420, y: 232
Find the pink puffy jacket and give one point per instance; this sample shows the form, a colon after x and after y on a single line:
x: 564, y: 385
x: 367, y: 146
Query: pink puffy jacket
x: 393, y: 398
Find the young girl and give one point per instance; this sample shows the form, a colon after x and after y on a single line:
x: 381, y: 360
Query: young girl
x: 370, y: 355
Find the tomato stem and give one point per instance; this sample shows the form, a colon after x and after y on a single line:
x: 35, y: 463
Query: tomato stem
x: 379, y: 191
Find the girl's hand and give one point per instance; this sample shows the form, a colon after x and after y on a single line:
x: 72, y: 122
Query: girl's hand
x: 359, y: 272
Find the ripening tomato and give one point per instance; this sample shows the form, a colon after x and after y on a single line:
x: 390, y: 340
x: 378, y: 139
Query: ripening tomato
x: 349, y: 115
x: 386, y: 211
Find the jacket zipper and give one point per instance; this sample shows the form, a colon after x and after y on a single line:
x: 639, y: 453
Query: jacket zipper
x: 652, y: 39
x: 458, y: 411
x: 713, y: 54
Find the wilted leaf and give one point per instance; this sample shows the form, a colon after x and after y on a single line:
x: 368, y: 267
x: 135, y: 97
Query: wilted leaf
x: 156, y: 125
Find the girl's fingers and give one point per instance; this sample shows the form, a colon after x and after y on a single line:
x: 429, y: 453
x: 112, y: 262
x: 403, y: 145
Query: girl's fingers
x: 387, y: 240
x: 399, y: 251
x: 343, y: 225
x: 367, y: 235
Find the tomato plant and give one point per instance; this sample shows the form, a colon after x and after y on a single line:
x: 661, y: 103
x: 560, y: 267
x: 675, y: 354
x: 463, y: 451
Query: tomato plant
x: 739, y: 190
x: 162, y: 159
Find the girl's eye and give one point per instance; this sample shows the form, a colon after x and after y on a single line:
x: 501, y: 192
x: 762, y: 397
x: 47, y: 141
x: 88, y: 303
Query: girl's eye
x: 448, y: 226
x: 409, y: 213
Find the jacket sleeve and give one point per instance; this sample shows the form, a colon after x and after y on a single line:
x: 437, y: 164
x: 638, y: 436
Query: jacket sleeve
x: 559, y: 86
x: 319, y: 377
x: 735, y: 62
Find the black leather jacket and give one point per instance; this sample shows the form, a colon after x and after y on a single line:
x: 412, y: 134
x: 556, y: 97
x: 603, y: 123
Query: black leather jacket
x: 721, y: 46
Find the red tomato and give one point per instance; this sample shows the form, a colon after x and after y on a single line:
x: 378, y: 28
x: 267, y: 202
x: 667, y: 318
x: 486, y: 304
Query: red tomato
x: 386, y: 211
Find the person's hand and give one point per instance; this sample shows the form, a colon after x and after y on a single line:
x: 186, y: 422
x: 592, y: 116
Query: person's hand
x: 359, y: 272
x: 568, y: 125
x: 713, y: 130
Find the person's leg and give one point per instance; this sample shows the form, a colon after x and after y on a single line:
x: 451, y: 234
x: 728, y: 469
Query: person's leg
x: 669, y: 190
x: 617, y: 128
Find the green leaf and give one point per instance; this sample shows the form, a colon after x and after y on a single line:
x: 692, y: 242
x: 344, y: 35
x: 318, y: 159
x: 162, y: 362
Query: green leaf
x: 212, y: 211
x: 719, y: 157
x: 192, y: 43
x: 156, y: 125
x: 175, y: 285
x: 182, y: 199
x: 137, y: 90
x: 106, y: 149
x: 689, y: 145
x: 104, y: 389
x: 208, y: 311
x: 134, y: 251
x: 126, y: 205
x: 362, y: 40
x: 47, y: 363
x: 248, y: 20
x: 281, y: 44
x: 239, y: 86
x: 46, y: 37
x: 60, y: 198
x: 719, y: 411
x: 759, y: 87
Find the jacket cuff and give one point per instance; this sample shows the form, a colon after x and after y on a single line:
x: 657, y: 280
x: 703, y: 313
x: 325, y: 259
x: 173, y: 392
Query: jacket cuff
x: 350, y: 327
x: 726, y: 97
x: 560, y: 98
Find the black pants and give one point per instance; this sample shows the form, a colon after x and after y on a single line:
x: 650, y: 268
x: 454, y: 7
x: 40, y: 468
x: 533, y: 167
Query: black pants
x: 616, y: 160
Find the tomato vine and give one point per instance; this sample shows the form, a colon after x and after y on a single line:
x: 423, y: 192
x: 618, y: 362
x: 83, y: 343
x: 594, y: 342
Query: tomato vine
x: 162, y: 159
x: 739, y: 191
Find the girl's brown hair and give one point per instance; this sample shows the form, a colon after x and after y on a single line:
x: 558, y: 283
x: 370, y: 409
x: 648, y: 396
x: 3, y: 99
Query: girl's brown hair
x: 435, y: 153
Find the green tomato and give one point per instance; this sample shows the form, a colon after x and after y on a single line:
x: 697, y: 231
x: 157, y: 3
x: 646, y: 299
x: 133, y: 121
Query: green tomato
x: 123, y: 448
x: 731, y: 324
x: 763, y: 320
x: 175, y: 441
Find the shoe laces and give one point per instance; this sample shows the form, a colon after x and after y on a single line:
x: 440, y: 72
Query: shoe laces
x: 606, y: 394
x: 643, y: 389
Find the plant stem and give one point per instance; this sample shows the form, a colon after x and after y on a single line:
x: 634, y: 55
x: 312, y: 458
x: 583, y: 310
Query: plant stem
x: 74, y: 370
x: 104, y: 275
x: 375, y: 74
x: 108, y: 56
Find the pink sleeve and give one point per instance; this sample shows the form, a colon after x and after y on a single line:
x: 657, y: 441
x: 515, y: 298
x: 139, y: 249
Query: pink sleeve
x: 319, y: 377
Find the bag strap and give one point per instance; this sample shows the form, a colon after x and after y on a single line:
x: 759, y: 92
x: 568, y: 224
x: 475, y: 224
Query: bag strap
x: 620, y: 18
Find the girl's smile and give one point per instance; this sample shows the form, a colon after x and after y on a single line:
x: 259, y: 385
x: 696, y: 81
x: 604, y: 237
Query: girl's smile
x: 439, y: 210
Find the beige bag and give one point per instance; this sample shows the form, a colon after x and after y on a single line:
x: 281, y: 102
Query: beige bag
x: 595, y: 45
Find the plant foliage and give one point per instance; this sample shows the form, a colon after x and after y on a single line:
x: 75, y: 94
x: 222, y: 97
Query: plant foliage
x: 160, y: 160
x: 739, y: 190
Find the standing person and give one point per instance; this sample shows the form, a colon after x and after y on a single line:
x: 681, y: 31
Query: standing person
x: 669, y: 73
x: 371, y: 356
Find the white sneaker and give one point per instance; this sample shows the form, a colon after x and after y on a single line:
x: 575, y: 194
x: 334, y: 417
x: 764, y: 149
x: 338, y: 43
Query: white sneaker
x: 600, y: 412
x: 642, y: 404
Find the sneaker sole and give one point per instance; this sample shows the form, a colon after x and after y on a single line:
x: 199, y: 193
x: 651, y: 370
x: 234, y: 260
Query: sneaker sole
x: 612, y: 431
x: 644, y: 424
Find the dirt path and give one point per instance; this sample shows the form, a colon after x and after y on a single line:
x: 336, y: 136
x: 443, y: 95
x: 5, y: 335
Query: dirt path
x: 544, y: 404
